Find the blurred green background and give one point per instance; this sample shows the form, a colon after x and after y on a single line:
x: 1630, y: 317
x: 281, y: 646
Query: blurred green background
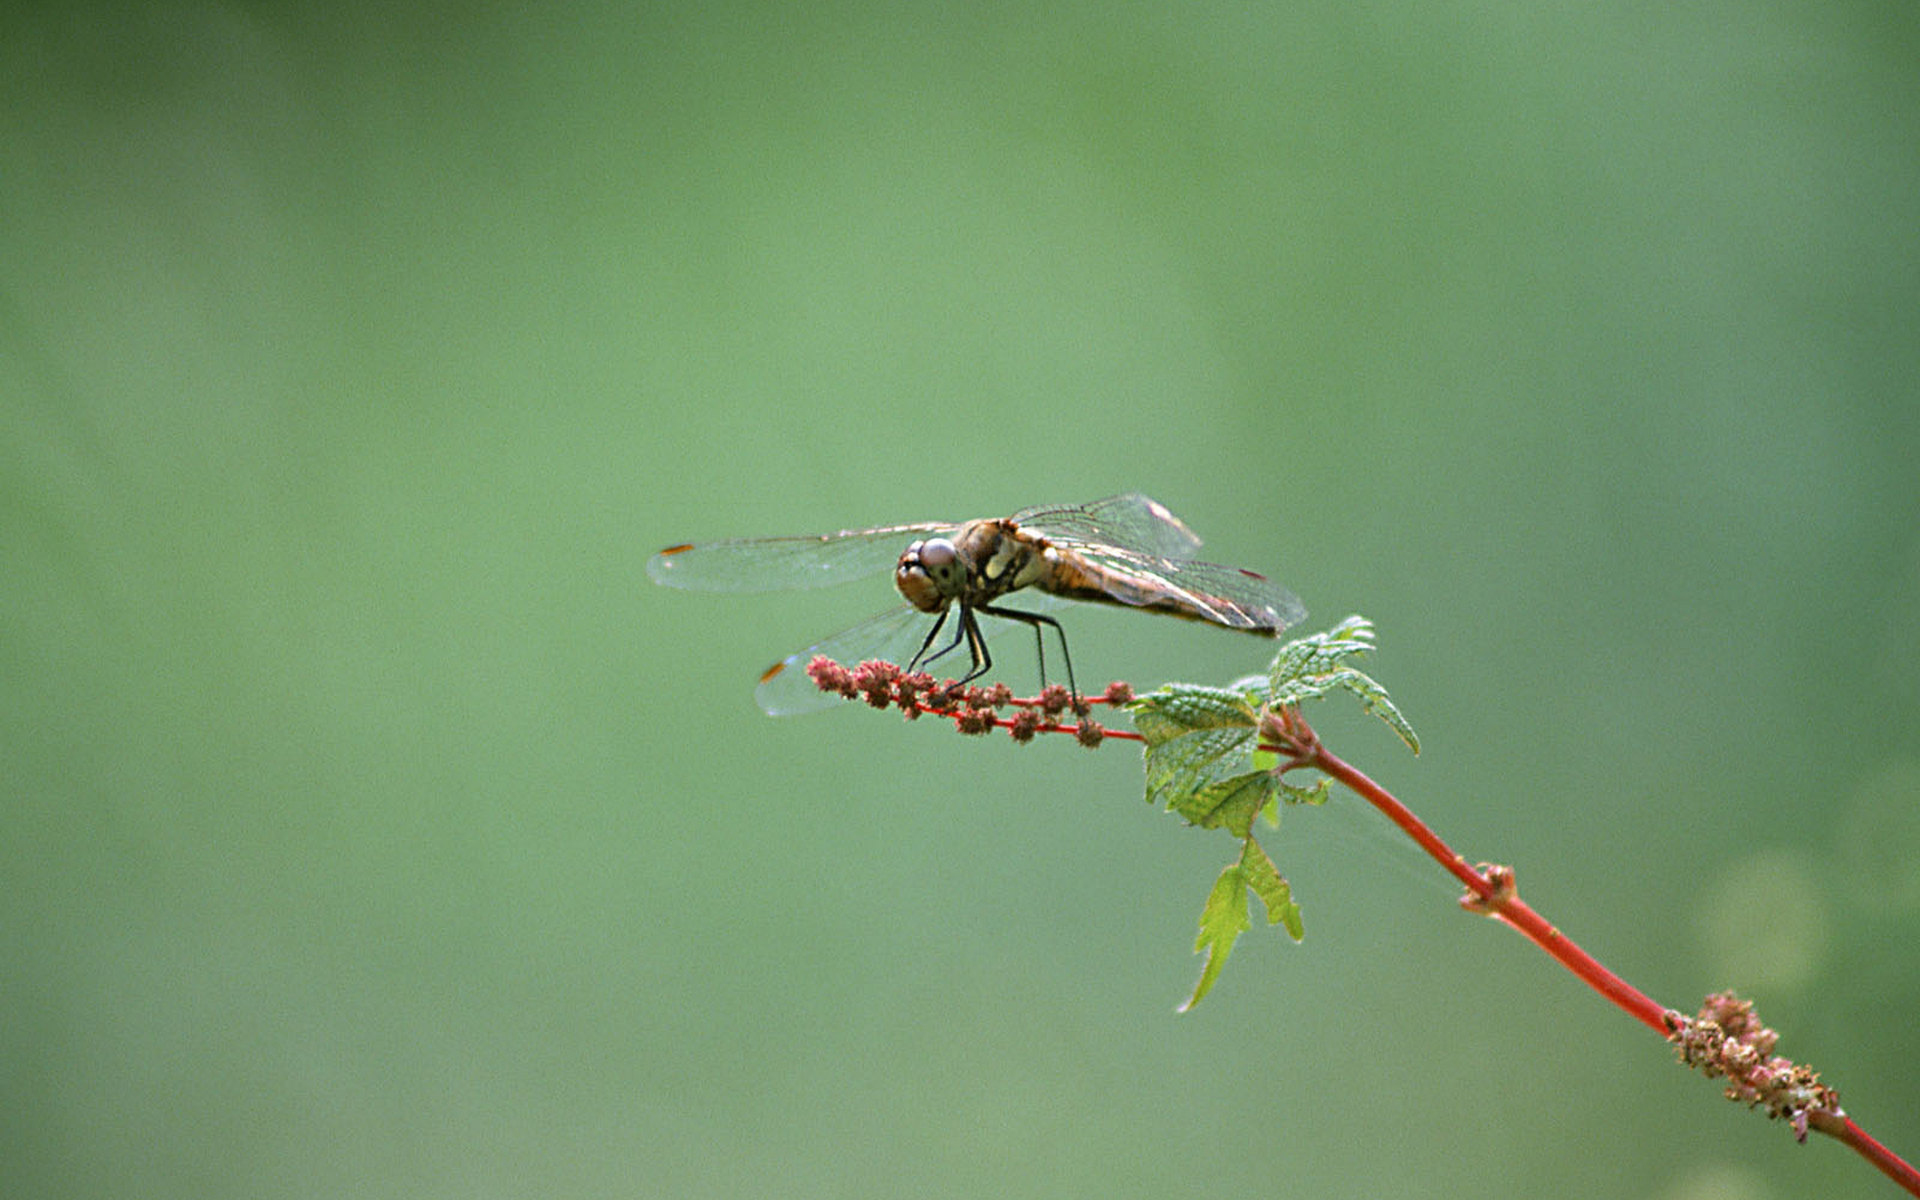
x: 374, y: 828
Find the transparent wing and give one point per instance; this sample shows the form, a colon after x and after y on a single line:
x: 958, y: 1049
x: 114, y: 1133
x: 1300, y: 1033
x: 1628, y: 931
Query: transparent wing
x: 1129, y: 522
x: 893, y: 636
x: 777, y: 563
x: 1230, y: 596
x: 1142, y: 551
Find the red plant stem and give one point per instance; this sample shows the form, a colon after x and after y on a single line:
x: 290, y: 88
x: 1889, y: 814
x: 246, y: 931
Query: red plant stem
x: 1496, y: 896
x: 1864, y: 1144
x: 1499, y: 902
x: 999, y: 722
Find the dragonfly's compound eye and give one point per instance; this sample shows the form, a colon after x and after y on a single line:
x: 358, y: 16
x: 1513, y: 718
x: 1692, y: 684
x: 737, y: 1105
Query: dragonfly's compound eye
x: 942, y: 562
x: 930, y: 574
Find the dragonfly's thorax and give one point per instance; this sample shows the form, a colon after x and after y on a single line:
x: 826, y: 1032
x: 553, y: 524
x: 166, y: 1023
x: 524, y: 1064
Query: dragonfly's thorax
x: 981, y: 561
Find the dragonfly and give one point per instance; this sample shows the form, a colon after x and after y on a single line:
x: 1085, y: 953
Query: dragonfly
x: 1126, y: 550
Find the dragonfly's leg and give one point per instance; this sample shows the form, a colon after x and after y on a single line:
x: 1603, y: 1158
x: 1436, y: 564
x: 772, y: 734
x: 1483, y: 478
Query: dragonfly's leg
x: 976, y: 645
x: 1039, y: 640
x: 921, y: 657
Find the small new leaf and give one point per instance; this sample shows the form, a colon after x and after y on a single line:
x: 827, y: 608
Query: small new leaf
x: 1315, y: 795
x: 1225, y: 916
x: 1312, y: 666
x: 1272, y: 888
x: 1222, y: 922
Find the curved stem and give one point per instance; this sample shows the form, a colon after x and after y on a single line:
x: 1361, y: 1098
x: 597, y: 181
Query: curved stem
x: 1866, y: 1146
x: 1492, y: 892
x: 1495, y: 893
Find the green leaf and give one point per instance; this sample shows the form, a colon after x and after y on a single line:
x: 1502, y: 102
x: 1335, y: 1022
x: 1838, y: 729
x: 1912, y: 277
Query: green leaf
x: 1270, y: 812
x: 1230, y: 803
x: 1195, y: 736
x: 1310, y: 667
x: 1203, y: 762
x: 1316, y: 795
x: 1222, y: 922
x: 1182, y: 708
x: 1272, y: 888
x: 1178, y: 769
x: 1225, y: 916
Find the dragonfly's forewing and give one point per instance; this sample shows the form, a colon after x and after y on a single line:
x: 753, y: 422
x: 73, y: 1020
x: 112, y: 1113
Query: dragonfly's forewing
x: 1131, y: 521
x: 777, y: 563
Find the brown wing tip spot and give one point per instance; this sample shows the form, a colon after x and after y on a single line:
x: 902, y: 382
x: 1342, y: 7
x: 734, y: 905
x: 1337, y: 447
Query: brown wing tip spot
x: 1252, y: 574
x: 682, y: 548
x: 773, y: 670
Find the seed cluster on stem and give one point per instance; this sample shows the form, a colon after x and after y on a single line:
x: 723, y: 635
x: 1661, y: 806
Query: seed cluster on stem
x: 973, y: 709
x: 1726, y: 1040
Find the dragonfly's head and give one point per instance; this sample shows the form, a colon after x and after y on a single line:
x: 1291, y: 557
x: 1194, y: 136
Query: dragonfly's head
x: 930, y: 574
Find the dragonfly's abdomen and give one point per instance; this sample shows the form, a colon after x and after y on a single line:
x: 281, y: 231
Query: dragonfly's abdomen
x: 1076, y: 579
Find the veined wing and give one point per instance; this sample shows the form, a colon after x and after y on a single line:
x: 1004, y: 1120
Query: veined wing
x: 777, y: 563
x: 1131, y: 521
x: 893, y: 636
x: 1141, y: 552
x: 1229, y: 596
